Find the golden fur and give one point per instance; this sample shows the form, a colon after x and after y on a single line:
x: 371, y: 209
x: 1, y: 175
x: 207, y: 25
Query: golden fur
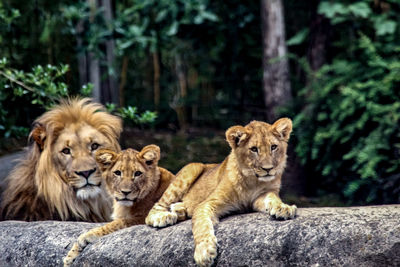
x: 58, y: 178
x: 249, y: 178
x: 135, y: 182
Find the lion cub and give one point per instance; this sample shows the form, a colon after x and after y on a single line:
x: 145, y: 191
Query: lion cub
x: 135, y: 182
x: 249, y: 178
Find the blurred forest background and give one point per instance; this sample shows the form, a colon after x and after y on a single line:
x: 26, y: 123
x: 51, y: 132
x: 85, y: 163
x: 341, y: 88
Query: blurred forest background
x: 180, y: 72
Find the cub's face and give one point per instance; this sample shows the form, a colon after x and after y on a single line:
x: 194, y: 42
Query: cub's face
x: 260, y: 148
x: 73, y: 152
x: 130, y: 175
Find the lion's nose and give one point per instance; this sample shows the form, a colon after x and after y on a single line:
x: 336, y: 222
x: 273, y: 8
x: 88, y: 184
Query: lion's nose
x: 87, y: 173
x: 126, y: 192
x: 266, y: 169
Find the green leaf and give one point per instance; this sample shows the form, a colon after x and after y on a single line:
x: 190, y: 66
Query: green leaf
x: 360, y: 9
x: 385, y: 27
x: 298, y: 38
x: 331, y: 9
x: 173, y: 29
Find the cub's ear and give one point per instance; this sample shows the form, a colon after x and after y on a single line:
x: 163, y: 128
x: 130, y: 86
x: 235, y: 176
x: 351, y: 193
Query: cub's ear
x: 282, y: 128
x: 236, y: 135
x: 105, y: 158
x: 38, y: 135
x: 150, y: 155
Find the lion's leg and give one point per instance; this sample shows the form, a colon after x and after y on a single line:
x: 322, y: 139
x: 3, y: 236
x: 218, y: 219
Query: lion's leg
x: 91, y: 236
x: 273, y: 205
x: 164, y: 212
x: 204, y: 218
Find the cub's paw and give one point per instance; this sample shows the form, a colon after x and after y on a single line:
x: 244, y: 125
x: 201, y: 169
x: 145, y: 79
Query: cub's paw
x: 205, y: 252
x: 282, y: 211
x: 180, y: 210
x: 161, y: 218
x: 72, y: 254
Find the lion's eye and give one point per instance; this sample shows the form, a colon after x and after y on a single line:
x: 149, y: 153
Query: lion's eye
x: 66, y: 151
x: 94, y: 146
x: 254, y: 149
x: 118, y: 173
x: 138, y: 173
x: 273, y: 147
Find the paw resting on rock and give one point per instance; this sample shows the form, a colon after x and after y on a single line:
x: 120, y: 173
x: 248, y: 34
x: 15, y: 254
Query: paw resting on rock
x: 282, y: 211
x: 161, y: 219
x: 206, y: 252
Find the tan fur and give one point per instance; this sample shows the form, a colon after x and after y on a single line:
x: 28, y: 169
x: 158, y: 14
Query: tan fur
x: 245, y: 180
x: 120, y: 170
x: 48, y: 184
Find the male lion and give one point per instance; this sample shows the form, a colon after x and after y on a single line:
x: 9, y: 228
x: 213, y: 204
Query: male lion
x: 58, y: 178
x: 249, y: 178
x: 135, y: 181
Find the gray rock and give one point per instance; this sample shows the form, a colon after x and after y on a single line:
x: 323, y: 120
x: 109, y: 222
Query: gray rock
x: 358, y: 236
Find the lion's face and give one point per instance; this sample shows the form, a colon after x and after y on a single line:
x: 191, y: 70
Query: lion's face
x: 130, y: 175
x: 260, y: 148
x: 74, y: 154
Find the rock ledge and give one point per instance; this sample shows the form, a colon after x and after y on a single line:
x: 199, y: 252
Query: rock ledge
x: 357, y: 236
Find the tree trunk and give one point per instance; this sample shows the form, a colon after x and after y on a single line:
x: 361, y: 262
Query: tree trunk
x: 110, y: 91
x: 182, y: 86
x: 103, y: 78
x: 94, y: 76
x: 276, y: 84
x: 319, y: 31
x: 124, y: 72
x: 156, y: 79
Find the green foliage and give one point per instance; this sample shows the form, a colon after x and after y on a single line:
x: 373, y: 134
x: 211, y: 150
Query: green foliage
x: 41, y: 88
x: 342, y: 12
x: 130, y: 114
x: 348, y: 129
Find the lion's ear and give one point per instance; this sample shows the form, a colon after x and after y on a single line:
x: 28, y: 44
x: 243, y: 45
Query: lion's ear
x: 236, y: 135
x: 105, y: 158
x: 150, y: 155
x: 282, y: 128
x: 38, y: 134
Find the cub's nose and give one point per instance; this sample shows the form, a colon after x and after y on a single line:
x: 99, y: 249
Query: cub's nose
x: 126, y: 192
x: 87, y: 173
x: 267, y: 169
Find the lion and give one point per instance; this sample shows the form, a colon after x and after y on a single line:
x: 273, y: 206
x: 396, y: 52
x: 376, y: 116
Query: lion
x: 135, y: 182
x: 249, y: 178
x: 58, y: 178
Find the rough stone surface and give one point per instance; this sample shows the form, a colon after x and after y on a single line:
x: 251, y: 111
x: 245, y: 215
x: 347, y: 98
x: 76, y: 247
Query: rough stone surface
x: 358, y: 236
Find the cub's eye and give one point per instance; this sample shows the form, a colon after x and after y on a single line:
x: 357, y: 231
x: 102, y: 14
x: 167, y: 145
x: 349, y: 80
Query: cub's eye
x: 118, y: 173
x: 94, y: 146
x: 254, y: 149
x: 66, y: 151
x: 273, y: 147
x: 138, y: 173
x: 149, y: 162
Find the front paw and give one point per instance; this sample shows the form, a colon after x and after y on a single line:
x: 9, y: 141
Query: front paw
x: 282, y: 211
x: 69, y: 259
x: 205, y: 252
x: 72, y: 254
x: 161, y: 218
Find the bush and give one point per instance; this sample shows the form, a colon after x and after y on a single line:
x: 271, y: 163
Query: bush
x: 349, y: 129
